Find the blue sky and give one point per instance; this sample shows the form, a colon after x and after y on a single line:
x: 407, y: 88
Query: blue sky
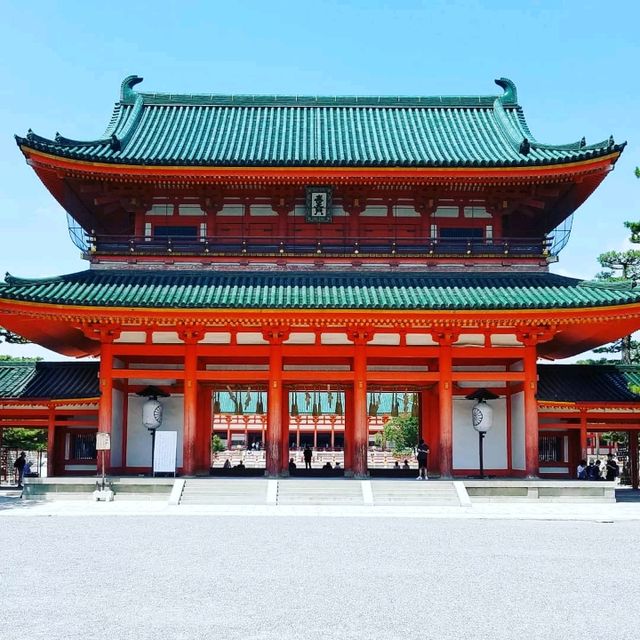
x: 573, y: 63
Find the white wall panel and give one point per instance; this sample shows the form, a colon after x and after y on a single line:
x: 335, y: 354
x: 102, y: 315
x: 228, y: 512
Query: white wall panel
x: 139, y: 438
x: 465, y: 437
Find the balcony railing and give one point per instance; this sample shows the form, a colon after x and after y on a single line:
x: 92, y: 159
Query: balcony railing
x: 292, y: 246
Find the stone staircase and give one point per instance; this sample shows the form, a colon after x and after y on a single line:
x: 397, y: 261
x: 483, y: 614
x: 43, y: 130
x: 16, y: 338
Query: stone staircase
x: 319, y: 492
x: 223, y: 491
x: 316, y: 492
x: 415, y: 493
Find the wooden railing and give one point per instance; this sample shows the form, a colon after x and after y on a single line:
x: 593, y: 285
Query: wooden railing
x: 293, y: 246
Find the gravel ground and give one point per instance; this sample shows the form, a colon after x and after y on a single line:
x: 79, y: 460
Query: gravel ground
x: 267, y: 578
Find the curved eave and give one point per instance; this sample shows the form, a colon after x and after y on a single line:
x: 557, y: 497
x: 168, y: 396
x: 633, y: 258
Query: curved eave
x: 598, y: 162
x: 261, y: 315
x: 577, y: 329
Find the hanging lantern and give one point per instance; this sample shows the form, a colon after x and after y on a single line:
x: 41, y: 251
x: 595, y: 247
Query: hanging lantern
x: 405, y: 402
x: 307, y: 400
x: 247, y: 399
x: 316, y: 410
x: 216, y: 403
x: 482, y: 413
x: 152, y: 413
x: 339, y: 410
x: 373, y: 406
x: 395, y: 409
x: 415, y: 407
x: 294, y: 405
x: 259, y: 404
x: 238, y: 403
x: 329, y: 396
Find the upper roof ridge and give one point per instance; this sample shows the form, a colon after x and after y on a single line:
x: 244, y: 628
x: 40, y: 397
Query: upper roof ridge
x: 128, y: 96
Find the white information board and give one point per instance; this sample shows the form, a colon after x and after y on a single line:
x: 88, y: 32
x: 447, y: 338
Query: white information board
x: 165, y: 452
x: 103, y: 441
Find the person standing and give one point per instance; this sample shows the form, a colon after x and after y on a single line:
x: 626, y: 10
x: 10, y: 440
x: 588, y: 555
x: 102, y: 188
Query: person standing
x: 581, y: 471
x: 612, y: 469
x: 18, y: 465
x: 307, y: 454
x: 422, y: 454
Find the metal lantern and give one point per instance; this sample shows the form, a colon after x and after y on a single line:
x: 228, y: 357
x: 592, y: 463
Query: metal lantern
x: 295, y: 411
x: 481, y: 419
x: 152, y: 414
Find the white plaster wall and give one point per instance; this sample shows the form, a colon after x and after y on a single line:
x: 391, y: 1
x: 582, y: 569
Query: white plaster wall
x: 117, y: 399
x: 138, y: 437
x: 465, y: 437
x: 517, y: 431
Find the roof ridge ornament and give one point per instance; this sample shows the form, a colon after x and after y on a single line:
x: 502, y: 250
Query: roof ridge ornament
x: 510, y: 94
x: 127, y: 94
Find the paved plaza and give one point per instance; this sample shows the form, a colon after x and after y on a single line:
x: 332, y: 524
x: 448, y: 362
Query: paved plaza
x: 292, y: 577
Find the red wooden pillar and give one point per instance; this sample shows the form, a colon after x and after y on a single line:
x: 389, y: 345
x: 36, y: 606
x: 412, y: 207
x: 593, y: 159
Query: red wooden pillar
x: 51, y: 424
x: 583, y: 436
x: 274, y: 402
x: 434, y: 433
x: 204, y: 429
x: 189, y: 449
x: 530, y: 411
x: 360, y: 422
x: 445, y: 393
x: 632, y: 436
x: 105, y: 405
x: 284, y: 455
x: 347, y: 437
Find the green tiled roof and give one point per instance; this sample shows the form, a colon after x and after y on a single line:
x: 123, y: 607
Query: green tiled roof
x: 261, y: 131
x: 48, y: 380
x: 317, y: 290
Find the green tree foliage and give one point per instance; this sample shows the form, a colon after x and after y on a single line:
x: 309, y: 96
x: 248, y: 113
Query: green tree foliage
x: 216, y: 444
x: 25, y: 439
x: 6, y: 358
x: 400, y: 432
x: 621, y: 266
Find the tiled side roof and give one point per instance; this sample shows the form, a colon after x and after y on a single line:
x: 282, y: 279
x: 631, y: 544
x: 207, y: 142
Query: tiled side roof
x: 585, y: 383
x: 317, y: 290
x: 48, y: 380
x: 299, y: 131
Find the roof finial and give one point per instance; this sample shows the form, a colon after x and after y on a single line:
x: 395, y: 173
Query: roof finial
x: 127, y: 94
x: 510, y: 91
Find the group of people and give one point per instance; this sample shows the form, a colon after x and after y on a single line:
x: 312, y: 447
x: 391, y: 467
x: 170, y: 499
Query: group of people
x: 22, y: 468
x: 595, y: 470
x: 307, y: 456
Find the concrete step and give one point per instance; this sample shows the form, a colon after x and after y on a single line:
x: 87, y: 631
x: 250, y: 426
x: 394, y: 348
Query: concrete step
x: 414, y: 492
x: 320, y: 492
x: 214, y: 491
